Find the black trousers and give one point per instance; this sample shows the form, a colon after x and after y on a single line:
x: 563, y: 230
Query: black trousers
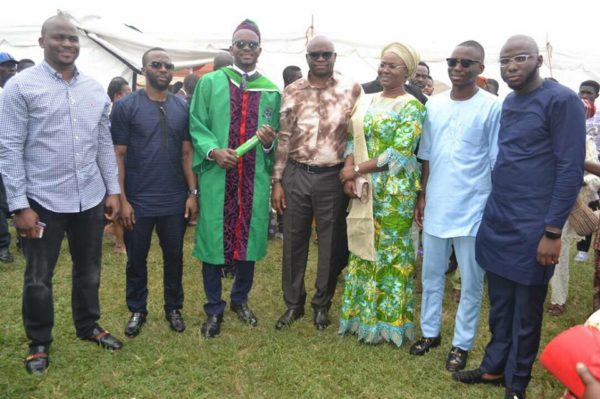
x: 170, y: 230
x: 211, y: 276
x: 515, y: 321
x: 4, y: 234
x: 84, y: 232
x: 320, y: 195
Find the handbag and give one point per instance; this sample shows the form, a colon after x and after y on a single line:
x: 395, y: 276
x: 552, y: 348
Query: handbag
x: 582, y: 219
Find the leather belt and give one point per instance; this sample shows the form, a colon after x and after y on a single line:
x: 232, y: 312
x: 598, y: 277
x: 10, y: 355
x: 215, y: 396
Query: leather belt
x: 314, y: 168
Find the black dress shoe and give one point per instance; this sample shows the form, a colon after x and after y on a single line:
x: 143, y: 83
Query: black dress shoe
x: 135, y: 323
x: 212, y: 326
x: 476, y: 377
x: 38, y: 360
x: 457, y: 359
x: 289, y: 317
x: 6, y: 256
x: 423, y: 345
x: 510, y: 394
x: 175, y: 320
x: 321, y: 319
x: 244, y: 313
x: 103, y: 338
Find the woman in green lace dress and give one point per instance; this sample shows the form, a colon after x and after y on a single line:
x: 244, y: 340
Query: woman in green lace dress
x: 378, y: 295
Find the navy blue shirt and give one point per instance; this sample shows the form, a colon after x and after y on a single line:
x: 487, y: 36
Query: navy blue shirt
x: 153, y: 133
x: 535, y: 181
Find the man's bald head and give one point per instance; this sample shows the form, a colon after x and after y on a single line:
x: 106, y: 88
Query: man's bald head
x: 320, y: 42
x: 222, y: 60
x: 56, y: 19
x: 524, y: 42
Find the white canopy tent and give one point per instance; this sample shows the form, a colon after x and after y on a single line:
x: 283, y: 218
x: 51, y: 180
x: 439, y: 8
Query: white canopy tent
x: 111, y: 48
x: 108, y: 48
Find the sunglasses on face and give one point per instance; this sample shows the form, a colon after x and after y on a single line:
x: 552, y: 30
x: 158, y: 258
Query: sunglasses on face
x: 464, y: 62
x: 158, y: 65
x: 517, y: 59
x: 315, y: 55
x: 242, y: 44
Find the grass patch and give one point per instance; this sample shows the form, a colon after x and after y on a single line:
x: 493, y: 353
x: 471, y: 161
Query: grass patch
x: 243, y: 362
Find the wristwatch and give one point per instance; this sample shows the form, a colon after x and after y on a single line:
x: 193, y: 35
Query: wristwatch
x: 275, y: 180
x: 193, y: 192
x: 552, y: 235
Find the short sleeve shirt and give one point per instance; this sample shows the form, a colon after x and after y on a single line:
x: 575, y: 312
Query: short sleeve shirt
x: 153, y: 133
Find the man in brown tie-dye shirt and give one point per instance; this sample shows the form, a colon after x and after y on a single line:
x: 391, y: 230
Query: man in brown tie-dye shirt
x: 313, y: 130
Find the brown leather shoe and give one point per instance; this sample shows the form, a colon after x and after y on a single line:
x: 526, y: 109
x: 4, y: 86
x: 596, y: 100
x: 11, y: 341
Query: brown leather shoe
x: 556, y: 310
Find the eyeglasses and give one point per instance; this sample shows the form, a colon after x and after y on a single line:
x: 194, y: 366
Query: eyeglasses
x: 391, y: 67
x: 464, y: 62
x: 158, y: 65
x: 242, y: 44
x: 518, y: 59
x: 315, y: 55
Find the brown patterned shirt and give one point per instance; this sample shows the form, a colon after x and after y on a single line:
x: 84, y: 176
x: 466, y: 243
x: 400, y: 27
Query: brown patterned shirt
x: 313, y: 122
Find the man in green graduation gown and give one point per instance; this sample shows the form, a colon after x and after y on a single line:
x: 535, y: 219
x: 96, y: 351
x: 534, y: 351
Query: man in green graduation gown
x: 229, y: 107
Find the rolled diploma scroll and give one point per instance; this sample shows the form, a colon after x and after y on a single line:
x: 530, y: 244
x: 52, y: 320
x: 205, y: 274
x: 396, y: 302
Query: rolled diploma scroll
x: 247, y: 146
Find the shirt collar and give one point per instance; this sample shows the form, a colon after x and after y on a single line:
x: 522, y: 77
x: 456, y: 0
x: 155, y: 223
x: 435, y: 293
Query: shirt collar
x: 239, y: 70
x: 332, y: 81
x: 56, y: 74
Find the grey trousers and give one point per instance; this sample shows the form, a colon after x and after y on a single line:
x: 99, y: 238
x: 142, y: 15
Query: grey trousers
x: 320, y: 195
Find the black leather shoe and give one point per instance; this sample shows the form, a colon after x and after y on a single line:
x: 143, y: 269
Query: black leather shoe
x: 5, y: 256
x: 104, y: 339
x: 510, y: 394
x: 423, y: 345
x: 476, y: 377
x: 457, y: 359
x: 244, y: 313
x: 321, y: 319
x: 38, y: 360
x: 135, y: 323
x: 212, y: 326
x: 290, y: 316
x: 175, y: 320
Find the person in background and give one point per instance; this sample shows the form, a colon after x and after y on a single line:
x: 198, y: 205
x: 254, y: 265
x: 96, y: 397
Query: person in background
x: 377, y: 304
x: 8, y: 69
x: 24, y: 64
x: 536, y: 179
x: 230, y: 106
x: 428, y: 89
x: 420, y: 78
x: 158, y: 188
x: 491, y: 86
x: 63, y: 182
x: 189, y: 85
x: 118, y: 87
x: 588, y: 90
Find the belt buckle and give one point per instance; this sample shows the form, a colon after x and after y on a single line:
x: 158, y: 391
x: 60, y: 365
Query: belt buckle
x: 309, y: 169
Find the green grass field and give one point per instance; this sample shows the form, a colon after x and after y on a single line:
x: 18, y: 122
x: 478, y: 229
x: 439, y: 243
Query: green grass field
x: 243, y: 362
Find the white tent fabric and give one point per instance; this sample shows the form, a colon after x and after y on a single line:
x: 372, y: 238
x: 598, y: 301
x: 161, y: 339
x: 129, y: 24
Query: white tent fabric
x: 108, y: 48
x: 356, y: 59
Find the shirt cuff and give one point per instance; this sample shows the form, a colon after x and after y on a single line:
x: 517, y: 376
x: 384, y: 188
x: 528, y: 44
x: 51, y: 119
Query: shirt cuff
x: 268, y: 150
x: 19, y: 202
x: 209, y: 154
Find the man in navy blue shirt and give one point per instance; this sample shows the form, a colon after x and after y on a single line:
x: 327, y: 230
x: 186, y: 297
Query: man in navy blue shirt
x: 154, y: 155
x: 536, y: 179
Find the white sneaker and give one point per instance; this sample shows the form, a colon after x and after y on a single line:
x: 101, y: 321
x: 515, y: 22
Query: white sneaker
x: 581, y: 256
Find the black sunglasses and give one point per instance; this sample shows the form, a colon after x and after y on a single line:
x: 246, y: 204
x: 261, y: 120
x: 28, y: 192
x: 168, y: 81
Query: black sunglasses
x: 315, y: 55
x: 242, y: 44
x: 465, y: 63
x: 158, y: 65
